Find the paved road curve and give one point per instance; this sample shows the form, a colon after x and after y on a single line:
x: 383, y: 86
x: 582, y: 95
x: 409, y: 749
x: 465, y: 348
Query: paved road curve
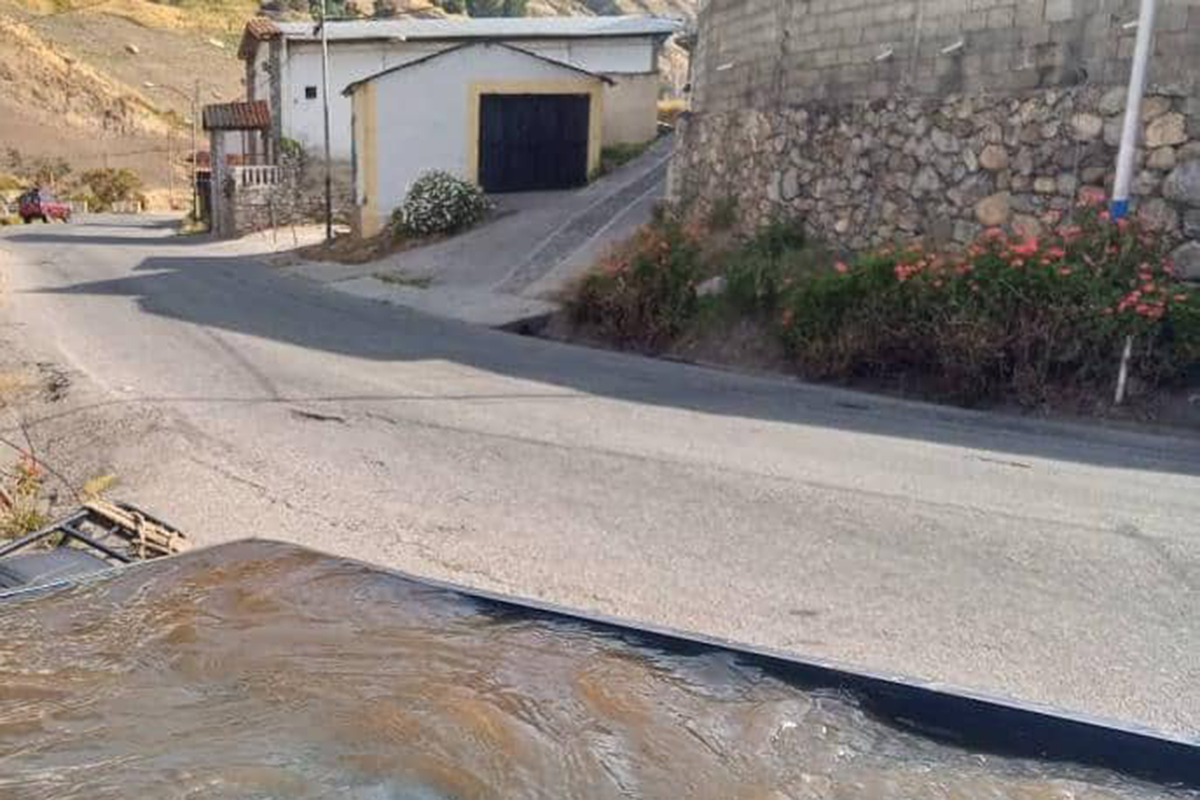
x: 1056, y: 564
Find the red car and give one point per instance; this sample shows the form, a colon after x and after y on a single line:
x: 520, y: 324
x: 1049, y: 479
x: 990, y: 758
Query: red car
x: 37, y: 204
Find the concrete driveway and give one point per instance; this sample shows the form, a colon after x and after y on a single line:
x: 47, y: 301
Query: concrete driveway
x: 516, y: 264
x: 1055, y: 563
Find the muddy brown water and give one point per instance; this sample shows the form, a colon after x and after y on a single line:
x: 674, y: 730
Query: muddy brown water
x: 261, y: 670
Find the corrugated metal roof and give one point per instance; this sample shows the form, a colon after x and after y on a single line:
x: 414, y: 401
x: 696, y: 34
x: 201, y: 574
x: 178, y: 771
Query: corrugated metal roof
x: 485, y: 28
x: 349, y: 90
x: 245, y: 116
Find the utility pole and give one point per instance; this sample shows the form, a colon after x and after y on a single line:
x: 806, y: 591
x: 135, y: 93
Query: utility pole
x: 194, y: 99
x: 195, y: 166
x: 170, y: 167
x: 325, y: 104
x: 1119, y: 206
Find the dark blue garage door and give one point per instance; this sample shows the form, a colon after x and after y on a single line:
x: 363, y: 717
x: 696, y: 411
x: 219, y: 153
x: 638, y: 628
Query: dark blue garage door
x: 533, y: 141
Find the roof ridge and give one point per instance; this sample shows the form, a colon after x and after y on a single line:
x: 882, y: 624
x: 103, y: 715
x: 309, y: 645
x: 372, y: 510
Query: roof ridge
x: 350, y: 88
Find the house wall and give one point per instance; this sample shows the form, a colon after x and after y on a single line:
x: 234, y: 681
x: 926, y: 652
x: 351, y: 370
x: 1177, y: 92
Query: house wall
x: 631, y: 109
x: 869, y: 118
x: 301, y: 117
x: 396, y: 145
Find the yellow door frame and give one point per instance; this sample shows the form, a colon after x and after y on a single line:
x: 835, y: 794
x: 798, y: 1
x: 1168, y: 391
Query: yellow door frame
x: 592, y: 87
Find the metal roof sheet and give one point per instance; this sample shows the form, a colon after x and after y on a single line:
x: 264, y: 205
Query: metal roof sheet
x: 483, y: 28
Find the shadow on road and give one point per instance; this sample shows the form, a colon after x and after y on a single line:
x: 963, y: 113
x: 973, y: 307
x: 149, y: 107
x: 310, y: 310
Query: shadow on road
x: 241, y: 295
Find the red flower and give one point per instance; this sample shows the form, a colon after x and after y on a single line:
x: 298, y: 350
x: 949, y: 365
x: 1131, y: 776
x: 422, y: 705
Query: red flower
x: 1055, y: 252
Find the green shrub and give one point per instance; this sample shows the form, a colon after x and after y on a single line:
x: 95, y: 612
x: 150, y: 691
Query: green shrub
x: 645, y: 294
x: 1006, y: 319
x: 107, y: 186
x: 763, y: 270
x: 439, y: 202
x: 614, y: 156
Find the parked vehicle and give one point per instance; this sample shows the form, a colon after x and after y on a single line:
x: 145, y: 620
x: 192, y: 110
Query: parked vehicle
x: 39, y: 204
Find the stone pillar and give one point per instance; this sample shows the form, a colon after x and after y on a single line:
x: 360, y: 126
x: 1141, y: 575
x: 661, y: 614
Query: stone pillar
x: 219, y: 203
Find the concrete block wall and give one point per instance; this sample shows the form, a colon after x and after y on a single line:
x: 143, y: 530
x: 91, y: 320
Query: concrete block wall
x: 763, y: 53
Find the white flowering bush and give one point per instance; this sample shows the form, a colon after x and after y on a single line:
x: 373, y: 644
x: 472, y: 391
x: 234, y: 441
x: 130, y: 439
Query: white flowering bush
x: 439, y: 202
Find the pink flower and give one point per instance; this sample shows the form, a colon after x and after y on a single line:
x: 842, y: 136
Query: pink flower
x: 1027, y: 247
x: 1180, y: 298
x: 1065, y: 271
x: 1055, y: 253
x: 841, y: 267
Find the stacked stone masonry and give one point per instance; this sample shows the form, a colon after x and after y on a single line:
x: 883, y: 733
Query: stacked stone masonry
x: 849, y: 114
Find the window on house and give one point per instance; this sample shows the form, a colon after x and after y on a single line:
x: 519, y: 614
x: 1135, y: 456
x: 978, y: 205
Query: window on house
x: 310, y: 93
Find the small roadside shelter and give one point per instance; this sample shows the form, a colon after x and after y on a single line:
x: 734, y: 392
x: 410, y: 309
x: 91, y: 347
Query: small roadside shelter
x: 240, y: 145
x: 492, y: 113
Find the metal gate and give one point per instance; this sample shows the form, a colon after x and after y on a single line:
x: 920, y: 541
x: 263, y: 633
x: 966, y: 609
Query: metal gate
x: 204, y: 194
x: 531, y: 142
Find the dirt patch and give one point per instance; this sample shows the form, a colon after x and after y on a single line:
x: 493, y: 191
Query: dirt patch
x: 743, y: 343
x: 349, y: 248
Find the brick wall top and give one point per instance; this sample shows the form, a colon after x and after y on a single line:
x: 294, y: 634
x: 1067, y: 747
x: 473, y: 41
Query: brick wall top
x: 763, y: 53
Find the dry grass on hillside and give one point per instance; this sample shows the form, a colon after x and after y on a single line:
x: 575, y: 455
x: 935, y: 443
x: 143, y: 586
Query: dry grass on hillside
x: 217, y: 15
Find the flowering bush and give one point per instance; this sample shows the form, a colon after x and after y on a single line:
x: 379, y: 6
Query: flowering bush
x: 1031, y: 320
x: 439, y: 202
x: 644, y: 294
x: 1006, y: 318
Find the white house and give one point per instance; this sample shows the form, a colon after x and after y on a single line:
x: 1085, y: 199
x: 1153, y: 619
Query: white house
x: 505, y: 118
x: 283, y: 64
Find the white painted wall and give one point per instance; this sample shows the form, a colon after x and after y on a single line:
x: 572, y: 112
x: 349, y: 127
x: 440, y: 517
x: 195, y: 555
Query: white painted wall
x: 302, y: 117
x: 351, y: 61
x: 437, y: 137
x: 262, y: 75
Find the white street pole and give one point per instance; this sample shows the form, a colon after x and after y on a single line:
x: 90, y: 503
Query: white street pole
x: 1119, y: 206
x: 325, y: 102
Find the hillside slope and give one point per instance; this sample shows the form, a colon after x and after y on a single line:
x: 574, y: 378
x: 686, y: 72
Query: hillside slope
x: 73, y: 83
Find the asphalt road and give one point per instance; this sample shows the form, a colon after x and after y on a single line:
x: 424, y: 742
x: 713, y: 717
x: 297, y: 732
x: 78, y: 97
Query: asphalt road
x: 1052, y: 563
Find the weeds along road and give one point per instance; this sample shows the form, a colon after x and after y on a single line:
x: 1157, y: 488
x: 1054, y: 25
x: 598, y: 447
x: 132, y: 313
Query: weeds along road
x: 1052, y: 563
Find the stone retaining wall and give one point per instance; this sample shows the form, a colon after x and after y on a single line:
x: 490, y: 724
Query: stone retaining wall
x: 298, y: 199
x: 866, y: 172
